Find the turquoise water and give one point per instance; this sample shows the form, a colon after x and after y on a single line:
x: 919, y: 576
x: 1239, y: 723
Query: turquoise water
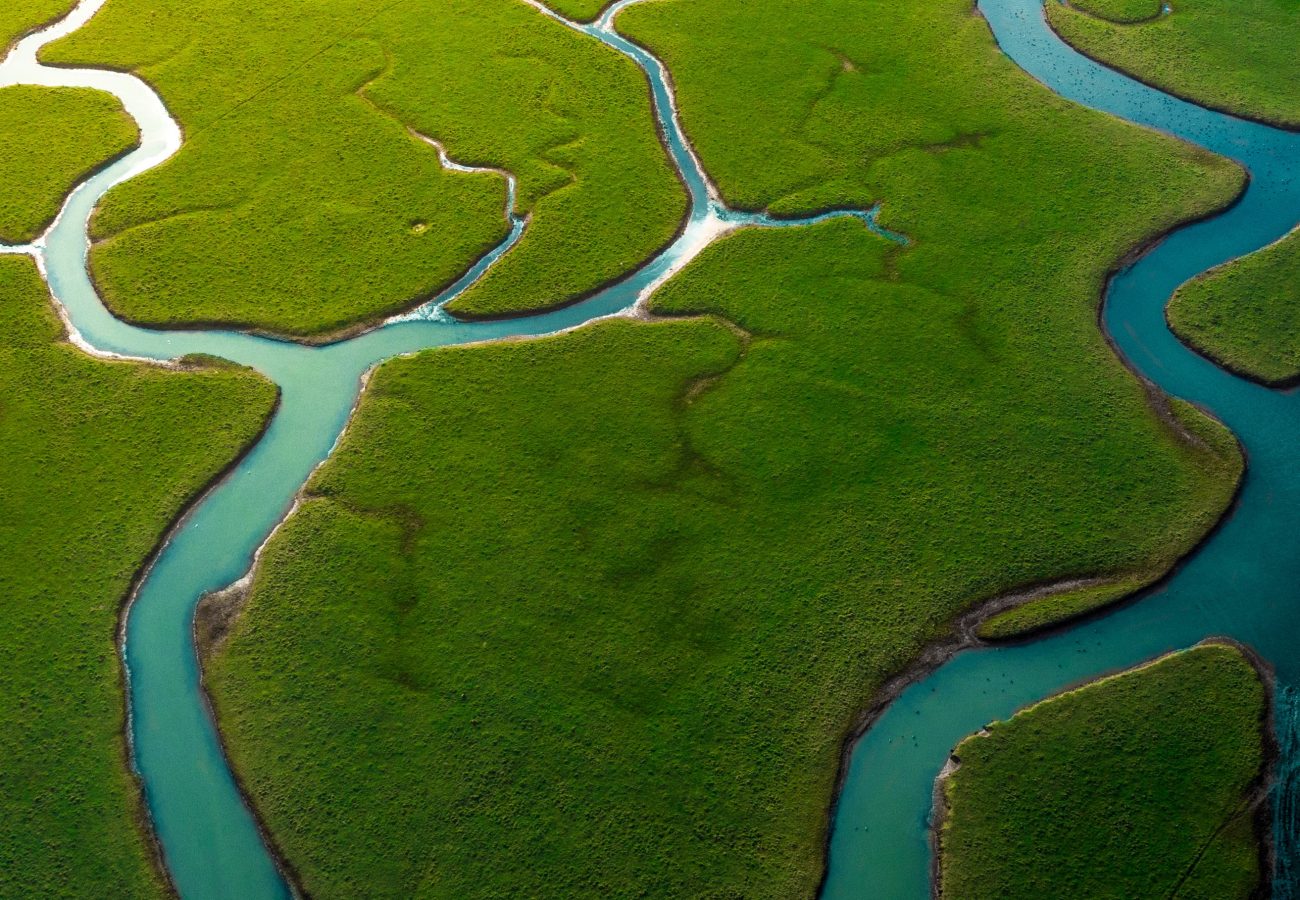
x: 1245, y: 582
x: 209, y: 839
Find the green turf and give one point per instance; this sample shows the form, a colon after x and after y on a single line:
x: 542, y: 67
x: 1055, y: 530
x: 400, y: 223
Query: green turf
x: 1247, y: 314
x: 1140, y: 785
x: 50, y: 138
x: 1120, y: 11
x: 1235, y: 55
x: 18, y: 17
x: 301, y: 204
x: 82, y: 507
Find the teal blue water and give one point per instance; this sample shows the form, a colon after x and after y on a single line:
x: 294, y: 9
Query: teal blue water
x: 1245, y: 582
x: 210, y: 841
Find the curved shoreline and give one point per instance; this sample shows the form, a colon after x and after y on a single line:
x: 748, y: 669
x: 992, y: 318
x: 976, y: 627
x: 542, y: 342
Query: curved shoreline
x: 1257, y: 792
x: 177, y: 522
x: 1285, y: 383
x: 1292, y: 126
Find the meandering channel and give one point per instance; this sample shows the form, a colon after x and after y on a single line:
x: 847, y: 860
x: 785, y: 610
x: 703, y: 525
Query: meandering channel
x: 1244, y: 582
x: 210, y: 841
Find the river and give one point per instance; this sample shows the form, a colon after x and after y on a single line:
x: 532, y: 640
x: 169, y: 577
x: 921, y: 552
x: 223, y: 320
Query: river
x: 1242, y: 583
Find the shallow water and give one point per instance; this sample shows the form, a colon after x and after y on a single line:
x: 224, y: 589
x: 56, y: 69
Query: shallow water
x: 1245, y: 582
x: 210, y: 841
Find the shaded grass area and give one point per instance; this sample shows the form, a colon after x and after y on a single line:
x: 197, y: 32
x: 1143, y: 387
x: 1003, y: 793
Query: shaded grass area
x: 1235, y: 55
x: 16, y: 19
x: 1247, y: 314
x: 302, y: 204
x: 1139, y: 785
x: 98, y: 458
x: 1119, y: 11
x: 51, y: 138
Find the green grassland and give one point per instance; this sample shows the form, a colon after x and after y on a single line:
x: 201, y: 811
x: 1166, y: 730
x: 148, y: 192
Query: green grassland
x: 17, y: 19
x: 302, y: 204
x: 1123, y: 11
x: 1139, y: 785
x: 592, y: 615
x: 50, y: 138
x: 1235, y: 55
x: 1247, y: 314
x: 83, y: 505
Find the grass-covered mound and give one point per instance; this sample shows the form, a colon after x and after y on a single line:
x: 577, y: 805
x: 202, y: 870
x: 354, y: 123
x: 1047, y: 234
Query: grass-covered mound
x: 1140, y: 785
x: 1247, y: 314
x: 50, y: 138
x: 98, y: 458
x: 302, y: 204
x: 1235, y: 55
x: 17, y: 19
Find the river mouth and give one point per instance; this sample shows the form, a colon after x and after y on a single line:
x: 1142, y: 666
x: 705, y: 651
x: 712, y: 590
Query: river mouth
x: 1243, y: 583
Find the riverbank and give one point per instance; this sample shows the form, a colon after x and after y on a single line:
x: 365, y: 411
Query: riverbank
x: 81, y: 510
x: 1233, y: 57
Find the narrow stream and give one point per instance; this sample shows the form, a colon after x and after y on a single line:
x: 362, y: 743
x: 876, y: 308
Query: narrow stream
x: 210, y: 841
x: 1244, y: 583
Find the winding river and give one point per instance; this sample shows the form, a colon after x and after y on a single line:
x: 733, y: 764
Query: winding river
x: 1245, y: 582
x: 1242, y: 583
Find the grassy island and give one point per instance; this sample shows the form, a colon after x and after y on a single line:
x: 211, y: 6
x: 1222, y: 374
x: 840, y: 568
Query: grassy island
x: 50, y: 138
x: 1235, y: 55
x: 83, y: 504
x: 304, y: 202
x: 591, y: 615
x: 1144, y: 784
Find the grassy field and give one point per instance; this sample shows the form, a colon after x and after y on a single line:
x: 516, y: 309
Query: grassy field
x: 1139, y: 785
x: 1120, y: 11
x: 601, y: 608
x: 50, y: 138
x: 1235, y: 55
x: 83, y: 505
x: 302, y: 204
x: 1247, y: 314
x: 16, y: 19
